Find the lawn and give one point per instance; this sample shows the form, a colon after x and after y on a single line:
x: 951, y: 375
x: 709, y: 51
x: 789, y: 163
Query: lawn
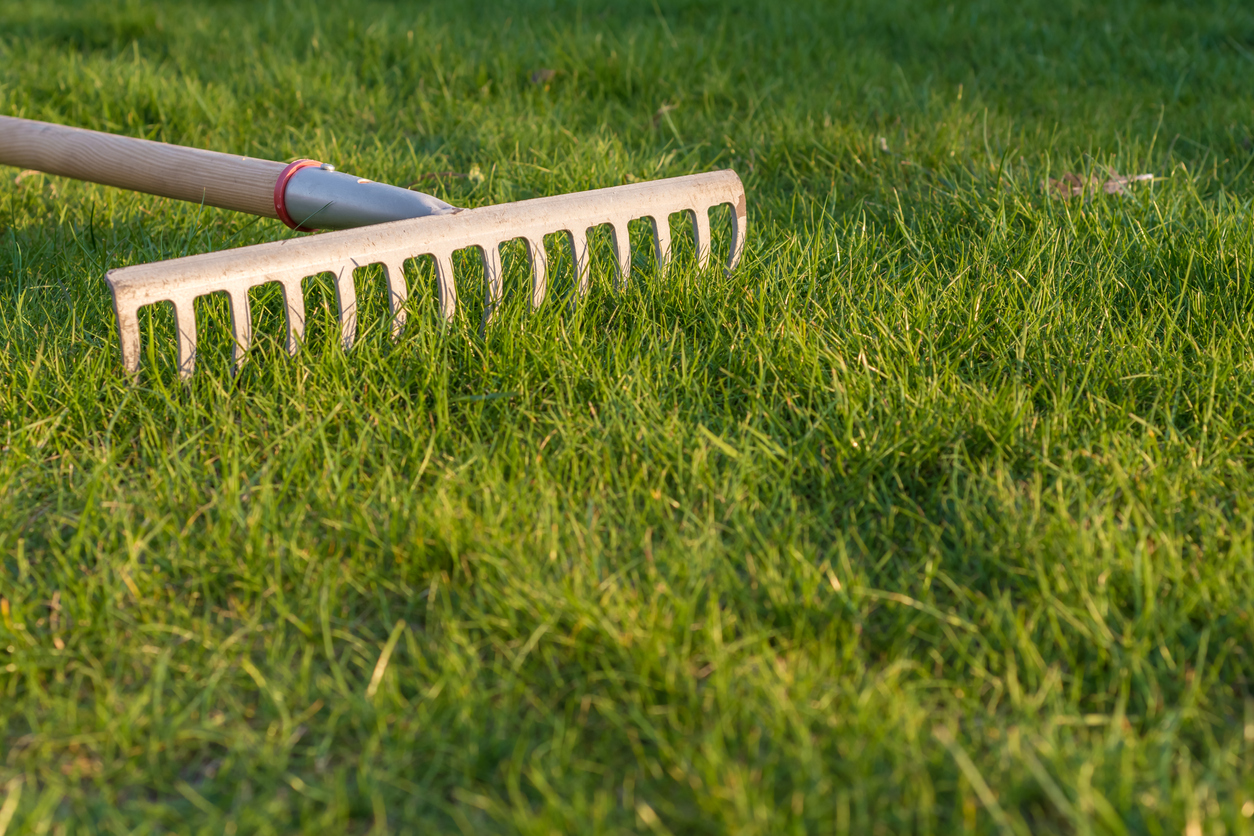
x: 934, y: 516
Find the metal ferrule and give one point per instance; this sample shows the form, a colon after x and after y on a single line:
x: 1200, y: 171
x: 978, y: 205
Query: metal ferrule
x: 318, y: 198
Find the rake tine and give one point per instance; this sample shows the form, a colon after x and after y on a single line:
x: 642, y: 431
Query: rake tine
x: 620, y: 240
x: 701, y: 236
x: 128, y: 333
x: 398, y: 294
x: 444, y: 278
x: 662, y: 241
x: 241, y: 323
x: 295, y: 301
x: 739, y: 229
x: 492, y: 282
x: 539, y: 260
x: 579, y: 255
x: 185, y: 323
x: 346, y: 298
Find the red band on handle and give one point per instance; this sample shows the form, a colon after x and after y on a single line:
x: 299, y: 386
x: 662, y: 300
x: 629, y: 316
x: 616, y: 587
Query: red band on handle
x: 280, y: 188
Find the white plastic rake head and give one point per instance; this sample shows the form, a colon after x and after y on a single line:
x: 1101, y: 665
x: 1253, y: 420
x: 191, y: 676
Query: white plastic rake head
x: 233, y: 272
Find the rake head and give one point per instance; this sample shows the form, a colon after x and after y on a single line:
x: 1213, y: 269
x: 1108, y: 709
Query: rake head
x: 233, y: 272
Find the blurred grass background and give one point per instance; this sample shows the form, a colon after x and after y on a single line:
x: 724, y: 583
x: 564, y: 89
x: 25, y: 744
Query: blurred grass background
x: 933, y: 517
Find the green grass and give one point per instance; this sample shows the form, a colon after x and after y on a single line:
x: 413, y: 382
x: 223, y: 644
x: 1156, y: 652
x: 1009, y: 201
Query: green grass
x: 936, y: 516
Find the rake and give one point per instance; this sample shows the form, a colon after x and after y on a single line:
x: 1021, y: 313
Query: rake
x: 376, y: 223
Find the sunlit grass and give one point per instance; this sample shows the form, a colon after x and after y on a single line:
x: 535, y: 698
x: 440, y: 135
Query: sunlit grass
x: 934, y: 516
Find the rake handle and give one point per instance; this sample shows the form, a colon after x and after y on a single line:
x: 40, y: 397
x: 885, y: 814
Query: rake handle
x: 243, y: 184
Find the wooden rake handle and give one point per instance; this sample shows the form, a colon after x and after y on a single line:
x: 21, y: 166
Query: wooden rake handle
x: 243, y: 184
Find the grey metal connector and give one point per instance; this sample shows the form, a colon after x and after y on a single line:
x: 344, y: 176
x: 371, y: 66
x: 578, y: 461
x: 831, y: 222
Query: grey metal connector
x: 323, y: 198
